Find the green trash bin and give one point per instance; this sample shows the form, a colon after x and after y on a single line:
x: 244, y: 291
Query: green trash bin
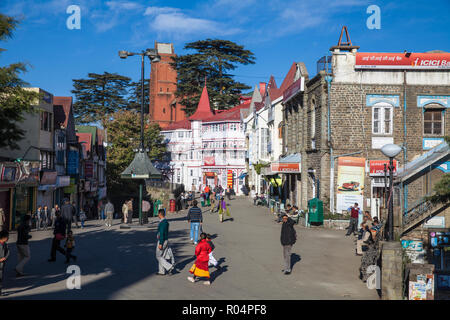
x: 156, y: 205
x: 315, y: 211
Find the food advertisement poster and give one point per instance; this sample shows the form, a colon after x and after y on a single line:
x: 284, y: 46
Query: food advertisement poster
x: 350, y: 182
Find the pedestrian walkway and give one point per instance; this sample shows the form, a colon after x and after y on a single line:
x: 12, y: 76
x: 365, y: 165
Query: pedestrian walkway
x: 120, y: 263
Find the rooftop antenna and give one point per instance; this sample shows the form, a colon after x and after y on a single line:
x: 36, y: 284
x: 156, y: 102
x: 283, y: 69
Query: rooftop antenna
x: 344, y: 46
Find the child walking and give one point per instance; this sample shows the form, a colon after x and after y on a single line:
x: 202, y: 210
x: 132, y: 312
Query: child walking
x: 82, y: 218
x: 223, y: 209
x: 70, y: 245
x: 212, y: 261
x: 200, y: 268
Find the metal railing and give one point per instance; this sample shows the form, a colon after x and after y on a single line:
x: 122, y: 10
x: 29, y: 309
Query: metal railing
x: 420, y: 209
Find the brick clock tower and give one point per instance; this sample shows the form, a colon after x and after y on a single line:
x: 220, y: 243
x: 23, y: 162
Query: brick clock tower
x: 163, y: 107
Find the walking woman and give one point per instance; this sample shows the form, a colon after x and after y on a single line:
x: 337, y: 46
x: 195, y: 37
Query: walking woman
x: 223, y: 209
x: 200, y: 267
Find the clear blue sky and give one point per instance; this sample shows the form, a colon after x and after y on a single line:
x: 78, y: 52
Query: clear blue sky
x: 278, y: 32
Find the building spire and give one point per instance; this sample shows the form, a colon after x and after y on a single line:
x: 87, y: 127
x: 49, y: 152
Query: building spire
x: 203, y: 109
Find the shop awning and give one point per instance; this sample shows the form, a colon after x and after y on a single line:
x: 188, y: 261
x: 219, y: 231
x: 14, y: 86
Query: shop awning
x: 243, y: 175
x: 288, y: 164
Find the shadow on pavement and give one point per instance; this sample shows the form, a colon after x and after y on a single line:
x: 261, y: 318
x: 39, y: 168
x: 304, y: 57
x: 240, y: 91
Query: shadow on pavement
x: 294, y: 259
x: 120, y: 258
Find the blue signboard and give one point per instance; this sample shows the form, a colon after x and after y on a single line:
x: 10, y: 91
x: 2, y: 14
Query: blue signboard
x: 72, y: 162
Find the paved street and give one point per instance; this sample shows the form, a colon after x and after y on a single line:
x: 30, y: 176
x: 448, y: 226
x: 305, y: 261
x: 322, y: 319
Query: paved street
x: 121, y: 264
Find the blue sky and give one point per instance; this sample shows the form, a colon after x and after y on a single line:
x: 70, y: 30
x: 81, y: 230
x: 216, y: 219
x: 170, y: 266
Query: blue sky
x: 278, y: 32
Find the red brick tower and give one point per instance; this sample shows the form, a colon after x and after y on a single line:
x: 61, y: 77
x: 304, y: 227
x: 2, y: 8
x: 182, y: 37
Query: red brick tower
x: 163, y: 107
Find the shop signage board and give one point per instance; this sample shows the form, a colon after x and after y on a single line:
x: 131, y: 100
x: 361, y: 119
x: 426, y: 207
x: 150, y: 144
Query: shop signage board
x: 350, y: 182
x: 379, y: 142
x: 388, y: 60
x: 376, y: 167
x: 435, y: 222
x: 49, y: 177
x: 293, y: 89
x: 430, y: 143
x: 209, y: 161
x: 279, y: 167
x: 89, y: 169
x: 72, y: 162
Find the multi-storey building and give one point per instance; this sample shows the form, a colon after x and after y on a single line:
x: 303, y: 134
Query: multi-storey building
x: 207, y: 148
x: 350, y: 109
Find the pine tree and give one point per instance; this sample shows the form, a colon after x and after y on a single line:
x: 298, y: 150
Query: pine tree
x: 212, y: 61
x: 124, y: 136
x: 15, y: 101
x: 99, y: 96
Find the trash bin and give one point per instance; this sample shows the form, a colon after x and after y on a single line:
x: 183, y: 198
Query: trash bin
x: 315, y: 211
x: 156, y: 205
x: 172, y: 205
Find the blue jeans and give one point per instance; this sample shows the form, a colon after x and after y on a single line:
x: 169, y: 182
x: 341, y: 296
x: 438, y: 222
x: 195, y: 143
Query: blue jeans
x: 195, y: 227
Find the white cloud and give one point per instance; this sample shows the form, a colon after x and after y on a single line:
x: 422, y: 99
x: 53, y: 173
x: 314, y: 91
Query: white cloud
x: 167, y: 20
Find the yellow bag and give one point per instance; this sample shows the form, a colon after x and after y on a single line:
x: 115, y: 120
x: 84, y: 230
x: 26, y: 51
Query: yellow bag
x: 192, y: 268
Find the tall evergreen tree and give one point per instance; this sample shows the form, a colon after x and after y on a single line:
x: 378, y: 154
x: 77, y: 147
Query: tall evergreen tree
x: 212, y: 61
x: 124, y: 136
x: 15, y: 101
x: 134, y: 100
x: 99, y: 96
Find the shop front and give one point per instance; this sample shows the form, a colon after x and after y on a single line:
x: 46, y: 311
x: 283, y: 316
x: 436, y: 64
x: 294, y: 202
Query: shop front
x: 379, y: 184
x: 47, y: 188
x: 290, y: 169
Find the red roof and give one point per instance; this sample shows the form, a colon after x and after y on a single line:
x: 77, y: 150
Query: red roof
x: 85, y: 137
x: 182, y: 124
x: 233, y: 114
x: 203, y: 109
x: 275, y: 93
x: 61, y: 108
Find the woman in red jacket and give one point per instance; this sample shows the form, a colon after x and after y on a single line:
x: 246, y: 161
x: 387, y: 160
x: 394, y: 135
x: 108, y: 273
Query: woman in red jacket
x: 200, y: 267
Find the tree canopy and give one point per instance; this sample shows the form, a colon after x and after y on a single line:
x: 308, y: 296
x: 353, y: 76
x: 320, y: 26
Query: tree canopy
x: 124, y: 136
x: 212, y: 61
x: 99, y: 96
x: 15, y: 101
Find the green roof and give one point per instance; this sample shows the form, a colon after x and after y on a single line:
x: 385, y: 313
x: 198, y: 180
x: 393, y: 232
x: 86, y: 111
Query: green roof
x: 88, y: 129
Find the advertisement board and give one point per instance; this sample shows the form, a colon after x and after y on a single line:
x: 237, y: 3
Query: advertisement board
x: 209, y: 161
x: 388, y: 60
x: 350, y: 182
x: 376, y: 167
x: 285, y: 167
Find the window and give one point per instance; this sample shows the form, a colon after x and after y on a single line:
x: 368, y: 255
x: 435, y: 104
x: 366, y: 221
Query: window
x: 432, y: 122
x: 46, y: 159
x: 233, y: 127
x: 382, y: 118
x: 192, y: 173
x: 180, y: 134
x: 313, y: 127
x: 46, y: 121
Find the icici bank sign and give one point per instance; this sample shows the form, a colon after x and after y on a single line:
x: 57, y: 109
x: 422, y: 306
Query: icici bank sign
x: 371, y: 60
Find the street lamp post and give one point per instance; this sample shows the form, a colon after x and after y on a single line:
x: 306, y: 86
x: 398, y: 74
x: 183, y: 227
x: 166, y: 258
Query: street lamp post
x: 141, y: 162
x: 390, y: 151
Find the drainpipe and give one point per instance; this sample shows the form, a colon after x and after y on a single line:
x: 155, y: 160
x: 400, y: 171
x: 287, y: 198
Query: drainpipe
x: 328, y: 79
x: 405, y: 146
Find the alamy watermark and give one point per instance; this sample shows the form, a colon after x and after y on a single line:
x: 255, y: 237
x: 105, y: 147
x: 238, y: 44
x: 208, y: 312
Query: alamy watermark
x: 74, y: 280
x: 373, y: 21
x: 74, y: 20
x: 374, y: 280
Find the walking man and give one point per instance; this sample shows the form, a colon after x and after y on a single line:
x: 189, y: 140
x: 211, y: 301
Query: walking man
x: 67, y: 215
x: 354, y: 215
x: 75, y: 214
x: 125, y: 211
x: 38, y: 218
x: 109, y: 209
x: 59, y: 234
x: 130, y: 211
x: 44, y: 215
x: 23, y: 249
x: 162, y: 246
x: 145, y: 210
x: 195, y: 217
x: 288, y: 238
